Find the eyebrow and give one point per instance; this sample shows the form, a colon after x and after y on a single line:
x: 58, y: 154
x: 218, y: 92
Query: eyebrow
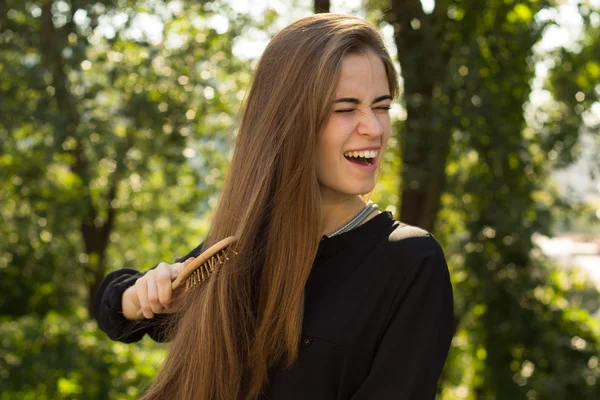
x: 357, y: 101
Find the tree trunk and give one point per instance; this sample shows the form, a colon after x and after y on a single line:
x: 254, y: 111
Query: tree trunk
x: 321, y: 6
x: 424, y: 144
x: 96, y: 239
x: 95, y: 233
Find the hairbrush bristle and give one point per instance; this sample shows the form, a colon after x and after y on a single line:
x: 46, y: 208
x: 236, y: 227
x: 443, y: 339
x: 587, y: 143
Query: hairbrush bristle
x: 203, y: 272
x: 200, y: 269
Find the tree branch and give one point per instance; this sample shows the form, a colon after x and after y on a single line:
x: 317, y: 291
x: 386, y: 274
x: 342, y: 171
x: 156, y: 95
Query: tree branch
x: 94, y: 237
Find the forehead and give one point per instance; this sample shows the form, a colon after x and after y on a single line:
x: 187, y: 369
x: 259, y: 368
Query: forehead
x: 362, y: 73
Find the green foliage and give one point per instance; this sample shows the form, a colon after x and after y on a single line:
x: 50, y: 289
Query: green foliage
x: 59, y: 357
x: 525, y: 338
x: 112, y: 141
x: 578, y: 217
x: 113, y: 145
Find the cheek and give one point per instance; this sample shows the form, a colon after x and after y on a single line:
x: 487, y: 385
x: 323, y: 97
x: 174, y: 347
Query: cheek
x: 326, y: 155
x: 331, y: 139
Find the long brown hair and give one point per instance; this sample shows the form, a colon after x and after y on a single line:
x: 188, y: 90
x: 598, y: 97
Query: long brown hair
x: 247, y: 318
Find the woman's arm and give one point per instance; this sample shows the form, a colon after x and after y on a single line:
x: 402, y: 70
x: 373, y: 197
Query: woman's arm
x: 414, y: 346
x: 108, y: 307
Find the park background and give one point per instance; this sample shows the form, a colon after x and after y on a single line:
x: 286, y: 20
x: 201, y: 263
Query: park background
x: 117, y: 120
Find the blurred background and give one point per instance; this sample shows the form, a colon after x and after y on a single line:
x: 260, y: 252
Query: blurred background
x: 117, y: 120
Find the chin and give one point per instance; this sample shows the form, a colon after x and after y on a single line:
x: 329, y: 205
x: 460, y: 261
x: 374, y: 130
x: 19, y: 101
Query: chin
x: 349, y: 188
x: 362, y: 190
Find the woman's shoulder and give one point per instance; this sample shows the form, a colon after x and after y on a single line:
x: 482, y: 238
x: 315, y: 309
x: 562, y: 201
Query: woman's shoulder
x: 409, y: 238
x: 408, y: 248
x: 415, y: 260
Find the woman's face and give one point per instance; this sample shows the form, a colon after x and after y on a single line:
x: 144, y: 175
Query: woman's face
x: 359, y: 120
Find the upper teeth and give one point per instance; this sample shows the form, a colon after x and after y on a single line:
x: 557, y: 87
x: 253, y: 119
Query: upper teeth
x: 364, y: 154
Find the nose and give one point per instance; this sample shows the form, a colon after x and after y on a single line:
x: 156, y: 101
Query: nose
x: 369, y: 124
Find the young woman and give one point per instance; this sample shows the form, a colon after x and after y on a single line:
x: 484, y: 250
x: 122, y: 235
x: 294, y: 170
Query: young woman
x: 327, y: 298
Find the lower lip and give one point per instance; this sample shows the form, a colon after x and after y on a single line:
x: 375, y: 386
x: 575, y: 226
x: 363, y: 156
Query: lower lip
x: 366, y: 168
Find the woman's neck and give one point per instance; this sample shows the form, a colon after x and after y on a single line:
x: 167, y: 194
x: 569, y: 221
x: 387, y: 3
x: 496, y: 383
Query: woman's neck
x: 337, y: 213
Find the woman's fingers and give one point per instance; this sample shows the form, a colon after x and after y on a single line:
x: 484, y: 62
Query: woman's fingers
x: 131, y: 304
x: 153, y: 300
x: 163, y: 283
x: 178, y: 267
x: 189, y: 260
x: 152, y: 293
x: 141, y: 288
x: 176, y: 270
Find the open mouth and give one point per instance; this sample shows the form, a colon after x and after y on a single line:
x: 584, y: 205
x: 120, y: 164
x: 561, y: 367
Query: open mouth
x: 361, y: 160
x: 367, y: 157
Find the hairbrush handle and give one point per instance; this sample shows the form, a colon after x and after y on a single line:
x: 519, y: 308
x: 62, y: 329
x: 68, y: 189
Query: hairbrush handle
x: 201, y: 267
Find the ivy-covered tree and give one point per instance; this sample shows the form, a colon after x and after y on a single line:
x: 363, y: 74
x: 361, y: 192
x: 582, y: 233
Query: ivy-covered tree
x: 476, y: 171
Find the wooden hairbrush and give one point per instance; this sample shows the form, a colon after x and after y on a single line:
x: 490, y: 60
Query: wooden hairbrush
x: 202, y: 267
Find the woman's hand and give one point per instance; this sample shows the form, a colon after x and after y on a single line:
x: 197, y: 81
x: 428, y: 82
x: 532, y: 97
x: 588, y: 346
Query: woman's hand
x: 151, y: 294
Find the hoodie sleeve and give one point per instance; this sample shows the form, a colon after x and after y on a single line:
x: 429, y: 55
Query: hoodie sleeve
x: 414, y: 346
x: 108, y: 309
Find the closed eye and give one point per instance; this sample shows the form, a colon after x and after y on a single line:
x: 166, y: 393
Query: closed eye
x: 348, y: 110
